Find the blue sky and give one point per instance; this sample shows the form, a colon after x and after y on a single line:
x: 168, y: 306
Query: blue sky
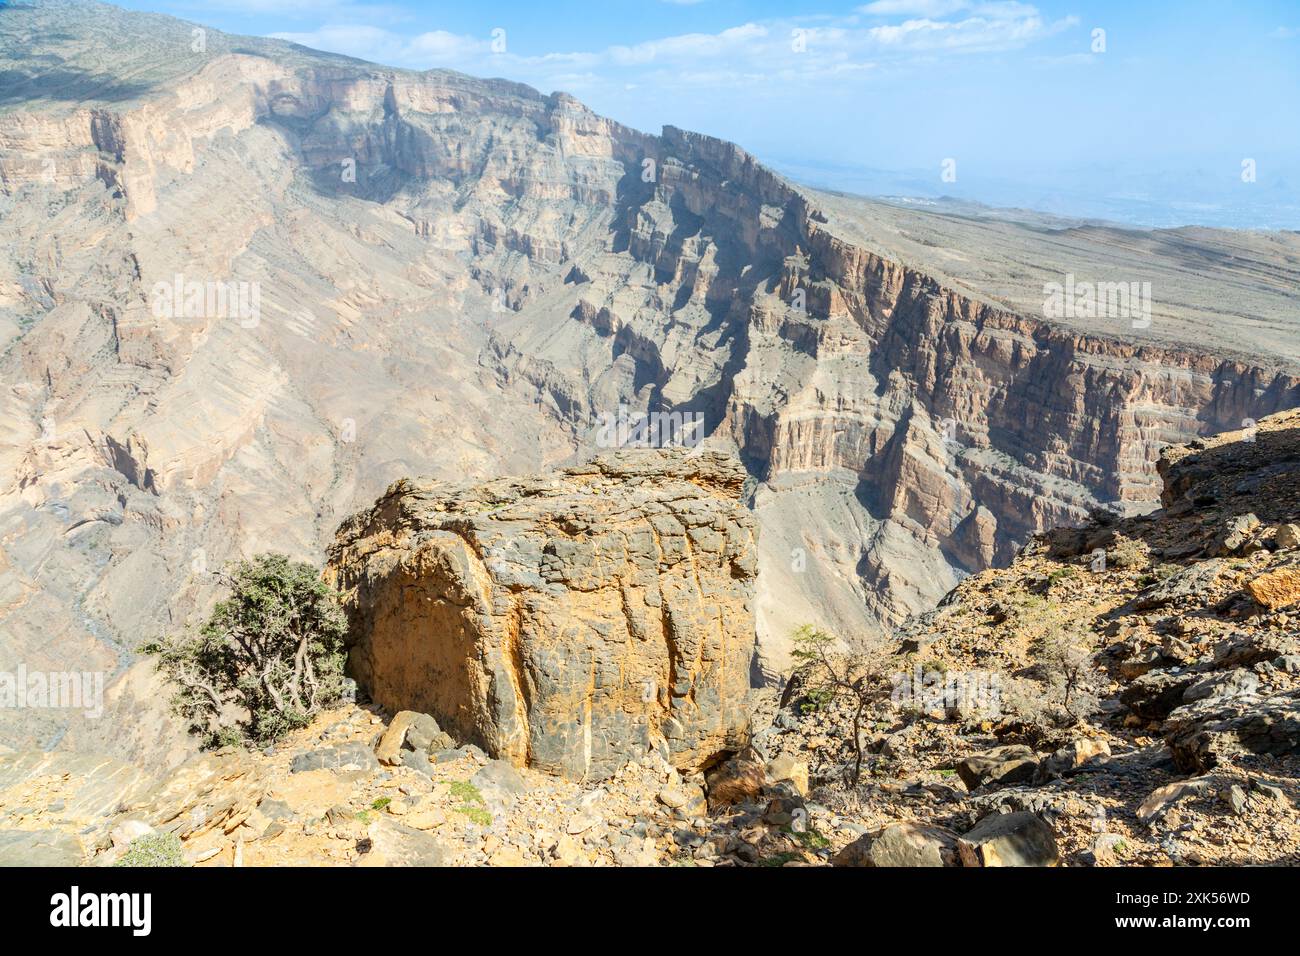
x: 873, y: 97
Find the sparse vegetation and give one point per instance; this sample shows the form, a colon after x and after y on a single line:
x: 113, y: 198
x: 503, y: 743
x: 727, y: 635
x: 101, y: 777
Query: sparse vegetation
x: 1065, y: 662
x: 153, y: 849
x: 268, y: 659
x: 472, y: 804
x: 476, y: 815
x: 830, y: 677
x: 466, y: 792
x: 1063, y: 573
x: 812, y: 839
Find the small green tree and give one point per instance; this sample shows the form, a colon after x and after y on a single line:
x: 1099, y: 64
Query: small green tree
x: 830, y: 677
x: 271, y: 654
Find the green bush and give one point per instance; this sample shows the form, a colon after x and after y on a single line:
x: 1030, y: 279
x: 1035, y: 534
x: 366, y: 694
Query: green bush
x: 153, y: 849
x: 269, y: 658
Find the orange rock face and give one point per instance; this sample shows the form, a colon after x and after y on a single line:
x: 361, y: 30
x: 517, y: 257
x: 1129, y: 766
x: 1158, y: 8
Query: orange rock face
x: 568, y: 622
x: 1277, y: 589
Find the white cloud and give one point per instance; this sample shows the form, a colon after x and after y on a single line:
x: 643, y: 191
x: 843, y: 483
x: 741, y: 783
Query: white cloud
x: 913, y: 8
x: 787, y: 52
x: 424, y: 50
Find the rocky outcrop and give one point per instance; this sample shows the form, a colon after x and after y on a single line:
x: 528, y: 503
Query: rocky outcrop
x: 567, y: 623
x: 1202, y: 736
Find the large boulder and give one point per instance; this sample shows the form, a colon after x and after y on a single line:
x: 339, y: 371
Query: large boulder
x: 1001, y: 766
x: 1009, y: 839
x: 566, y: 622
x: 1278, y: 588
x: 1201, y: 734
x: 738, y: 780
x: 902, y: 844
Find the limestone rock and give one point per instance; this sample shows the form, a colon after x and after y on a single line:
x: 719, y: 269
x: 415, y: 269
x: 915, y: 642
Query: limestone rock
x: 1236, y: 535
x: 1163, y: 798
x: 397, y: 844
x: 1001, y: 766
x: 348, y: 756
x: 790, y: 770
x: 737, y: 780
x: 1193, y: 583
x: 565, y: 622
x: 1153, y: 695
x: 43, y: 848
x: 1074, y: 755
x: 1009, y: 839
x: 902, y: 844
x: 411, y: 731
x: 1287, y: 536
x: 499, y: 779
x: 1278, y: 588
x: 129, y: 830
x: 1200, y: 735
x: 1233, y: 683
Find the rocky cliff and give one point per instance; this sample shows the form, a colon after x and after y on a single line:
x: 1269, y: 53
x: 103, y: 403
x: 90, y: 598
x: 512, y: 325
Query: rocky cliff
x: 566, y: 623
x: 459, y: 277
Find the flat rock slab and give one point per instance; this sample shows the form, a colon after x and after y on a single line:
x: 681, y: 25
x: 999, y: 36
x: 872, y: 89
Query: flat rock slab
x: 349, y: 756
x: 1001, y: 766
x: 40, y: 848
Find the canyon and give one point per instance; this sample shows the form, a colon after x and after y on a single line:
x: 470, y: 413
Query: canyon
x: 458, y: 277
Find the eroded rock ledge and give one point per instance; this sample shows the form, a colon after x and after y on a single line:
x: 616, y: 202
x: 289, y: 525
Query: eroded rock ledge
x: 566, y: 622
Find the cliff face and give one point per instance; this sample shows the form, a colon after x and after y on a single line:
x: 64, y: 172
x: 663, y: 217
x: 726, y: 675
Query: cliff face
x: 457, y: 278
x: 565, y: 623
x: 943, y: 428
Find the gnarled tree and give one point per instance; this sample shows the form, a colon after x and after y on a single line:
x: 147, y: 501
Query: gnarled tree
x: 268, y: 659
x: 829, y: 677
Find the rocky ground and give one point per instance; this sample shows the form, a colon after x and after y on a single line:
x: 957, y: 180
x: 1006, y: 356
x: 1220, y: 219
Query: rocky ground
x: 1178, y: 743
x: 358, y: 789
x: 1182, y: 744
